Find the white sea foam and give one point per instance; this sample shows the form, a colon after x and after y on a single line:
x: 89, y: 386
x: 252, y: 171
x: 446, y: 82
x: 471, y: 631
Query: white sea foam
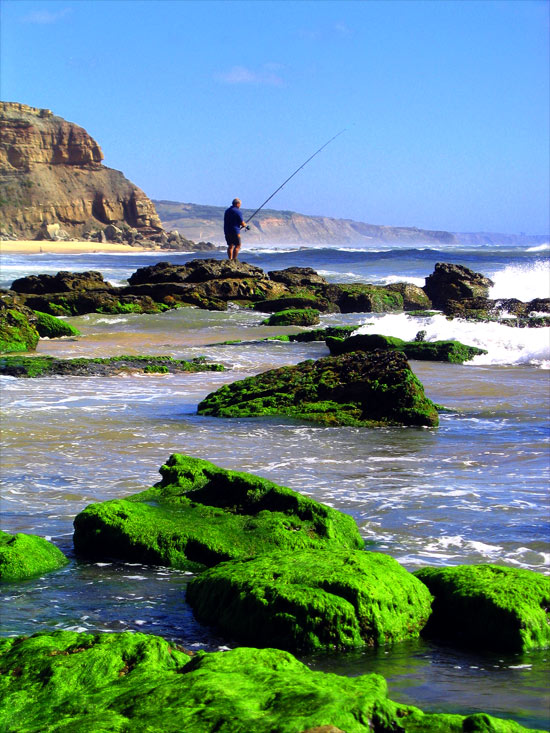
x: 539, y: 248
x: 390, y: 279
x: 524, y: 282
x: 504, y: 344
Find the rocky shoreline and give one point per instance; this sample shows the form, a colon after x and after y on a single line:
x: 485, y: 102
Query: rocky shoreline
x: 273, y: 567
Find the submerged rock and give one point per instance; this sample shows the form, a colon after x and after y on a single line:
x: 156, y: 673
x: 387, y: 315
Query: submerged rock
x: 26, y: 555
x: 361, y: 389
x: 137, y: 682
x: 448, y: 351
x: 312, y: 599
x: 47, y: 366
x: 201, y: 514
x: 455, y: 282
x: 489, y: 606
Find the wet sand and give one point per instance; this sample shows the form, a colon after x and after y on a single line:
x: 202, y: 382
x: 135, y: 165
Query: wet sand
x: 35, y: 247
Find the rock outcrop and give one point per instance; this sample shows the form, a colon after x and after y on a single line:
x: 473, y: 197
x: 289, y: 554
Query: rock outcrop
x: 360, y: 389
x: 53, y: 183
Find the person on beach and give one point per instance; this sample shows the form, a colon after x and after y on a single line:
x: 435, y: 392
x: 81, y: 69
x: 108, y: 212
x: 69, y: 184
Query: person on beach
x: 233, y: 222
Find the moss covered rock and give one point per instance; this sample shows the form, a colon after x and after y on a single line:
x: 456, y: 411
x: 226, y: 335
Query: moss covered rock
x: 26, y: 555
x: 358, y: 389
x: 312, y: 599
x: 49, y: 326
x: 47, y: 366
x: 453, y: 352
x: 294, y: 317
x: 489, y: 606
x: 362, y: 298
x: 17, y: 328
x: 200, y: 514
x: 120, y: 682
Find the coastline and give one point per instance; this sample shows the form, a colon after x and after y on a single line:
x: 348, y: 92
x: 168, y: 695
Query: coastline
x: 80, y: 247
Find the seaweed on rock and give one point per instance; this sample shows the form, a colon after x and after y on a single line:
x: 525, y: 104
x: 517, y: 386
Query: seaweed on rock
x: 69, y: 681
x: 312, y: 599
x: 201, y: 514
x: 360, y: 389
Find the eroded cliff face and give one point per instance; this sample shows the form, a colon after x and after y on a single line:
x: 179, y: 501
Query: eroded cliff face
x: 51, y: 173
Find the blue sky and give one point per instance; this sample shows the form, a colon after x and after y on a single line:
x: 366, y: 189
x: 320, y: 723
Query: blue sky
x: 445, y: 104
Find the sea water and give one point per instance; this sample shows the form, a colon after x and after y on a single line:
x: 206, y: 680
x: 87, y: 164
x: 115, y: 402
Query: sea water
x: 473, y: 490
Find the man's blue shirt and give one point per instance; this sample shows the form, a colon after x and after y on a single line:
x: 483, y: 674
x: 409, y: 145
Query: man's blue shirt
x: 232, y: 220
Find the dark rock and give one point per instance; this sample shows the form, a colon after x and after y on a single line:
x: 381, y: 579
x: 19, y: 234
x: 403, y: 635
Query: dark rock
x: 320, y: 334
x: 297, y: 277
x: 448, y: 351
x: 312, y: 599
x: 201, y: 514
x: 489, y: 607
x: 362, y: 389
x: 455, y: 282
x: 62, y: 282
x: 293, y: 301
x: 360, y: 298
x: 414, y: 297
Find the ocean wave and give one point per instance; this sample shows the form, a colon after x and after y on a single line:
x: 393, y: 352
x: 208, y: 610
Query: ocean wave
x: 523, y: 282
x: 505, y: 345
x: 539, y: 248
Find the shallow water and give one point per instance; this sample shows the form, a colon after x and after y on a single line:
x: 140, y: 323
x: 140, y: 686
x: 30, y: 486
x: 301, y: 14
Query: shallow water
x: 472, y: 490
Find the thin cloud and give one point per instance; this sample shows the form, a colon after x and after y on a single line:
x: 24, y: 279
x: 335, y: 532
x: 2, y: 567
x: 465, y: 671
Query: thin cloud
x: 241, y: 75
x: 46, y: 17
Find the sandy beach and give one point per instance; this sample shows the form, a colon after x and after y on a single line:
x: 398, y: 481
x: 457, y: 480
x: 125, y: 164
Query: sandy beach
x: 35, y: 247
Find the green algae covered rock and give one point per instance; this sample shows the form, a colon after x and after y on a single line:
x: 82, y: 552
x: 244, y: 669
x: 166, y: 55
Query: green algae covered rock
x: 201, y: 514
x: 51, y: 327
x: 448, y: 351
x: 294, y: 317
x: 47, y: 366
x: 121, y: 682
x: 17, y: 329
x: 27, y: 555
x: 312, y: 599
x: 489, y: 606
x: 360, y: 389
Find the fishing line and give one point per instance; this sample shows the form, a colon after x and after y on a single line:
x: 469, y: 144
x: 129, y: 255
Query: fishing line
x: 292, y: 176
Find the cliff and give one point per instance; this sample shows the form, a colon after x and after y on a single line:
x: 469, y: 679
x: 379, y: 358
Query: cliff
x: 51, y: 173
x: 196, y: 221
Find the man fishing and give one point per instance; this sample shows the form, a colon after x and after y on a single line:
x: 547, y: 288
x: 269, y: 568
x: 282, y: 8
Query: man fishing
x: 233, y: 222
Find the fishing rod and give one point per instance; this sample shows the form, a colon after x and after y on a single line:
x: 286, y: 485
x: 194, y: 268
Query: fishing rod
x: 292, y: 176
